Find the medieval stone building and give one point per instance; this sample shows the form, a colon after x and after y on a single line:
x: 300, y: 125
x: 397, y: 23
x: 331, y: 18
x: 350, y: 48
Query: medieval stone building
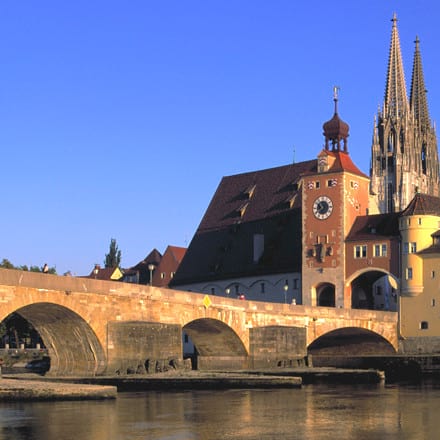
x: 404, y: 155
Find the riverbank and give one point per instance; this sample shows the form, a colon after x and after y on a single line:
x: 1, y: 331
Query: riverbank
x: 35, y: 387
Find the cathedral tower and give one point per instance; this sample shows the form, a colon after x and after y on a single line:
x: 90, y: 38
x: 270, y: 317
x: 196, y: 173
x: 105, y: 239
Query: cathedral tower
x: 404, y: 156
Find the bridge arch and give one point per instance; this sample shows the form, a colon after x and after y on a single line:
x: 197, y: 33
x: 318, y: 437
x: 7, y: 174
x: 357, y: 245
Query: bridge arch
x: 351, y: 341
x: 72, y: 345
x: 214, y: 340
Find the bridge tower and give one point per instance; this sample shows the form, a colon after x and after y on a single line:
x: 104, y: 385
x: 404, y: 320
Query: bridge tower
x: 333, y: 197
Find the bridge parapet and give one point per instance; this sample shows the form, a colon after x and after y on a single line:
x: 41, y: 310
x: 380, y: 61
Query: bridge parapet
x: 68, y: 308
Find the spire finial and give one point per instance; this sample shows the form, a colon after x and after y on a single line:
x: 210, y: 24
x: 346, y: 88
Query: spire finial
x: 394, y: 19
x: 335, y: 97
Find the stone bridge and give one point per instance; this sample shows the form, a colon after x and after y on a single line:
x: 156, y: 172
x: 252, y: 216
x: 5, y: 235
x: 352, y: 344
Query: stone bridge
x: 93, y: 327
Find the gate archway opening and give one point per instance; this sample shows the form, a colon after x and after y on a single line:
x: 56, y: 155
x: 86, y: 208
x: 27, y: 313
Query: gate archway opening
x: 374, y: 290
x: 325, y: 294
x: 216, y: 345
x: 71, y: 344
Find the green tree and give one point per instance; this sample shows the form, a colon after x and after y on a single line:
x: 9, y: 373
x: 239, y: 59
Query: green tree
x: 6, y: 264
x: 113, y: 258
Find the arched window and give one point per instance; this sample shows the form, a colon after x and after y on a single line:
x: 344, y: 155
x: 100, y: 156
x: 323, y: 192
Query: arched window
x: 423, y: 158
x: 402, y: 141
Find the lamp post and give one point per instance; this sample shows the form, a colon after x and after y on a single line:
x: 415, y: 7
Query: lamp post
x: 228, y: 291
x: 286, y: 288
x: 151, y: 267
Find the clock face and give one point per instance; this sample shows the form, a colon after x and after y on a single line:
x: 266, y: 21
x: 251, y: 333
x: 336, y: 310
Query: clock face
x: 322, y: 207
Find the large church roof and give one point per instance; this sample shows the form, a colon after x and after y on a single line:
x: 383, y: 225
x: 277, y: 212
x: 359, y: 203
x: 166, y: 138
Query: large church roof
x: 255, y: 195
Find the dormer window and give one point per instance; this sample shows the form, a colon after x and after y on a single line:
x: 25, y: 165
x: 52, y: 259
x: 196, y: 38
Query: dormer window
x: 242, y: 209
x: 249, y: 191
x: 290, y: 201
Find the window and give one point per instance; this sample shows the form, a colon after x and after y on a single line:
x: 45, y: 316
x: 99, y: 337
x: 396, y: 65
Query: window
x: 212, y: 291
x: 317, y: 184
x: 263, y: 288
x: 410, y: 248
x: 360, y: 251
x: 432, y: 273
x: 162, y: 275
x: 409, y: 273
x: 424, y: 325
x: 433, y: 302
x: 295, y: 283
x: 420, y: 221
x: 380, y: 250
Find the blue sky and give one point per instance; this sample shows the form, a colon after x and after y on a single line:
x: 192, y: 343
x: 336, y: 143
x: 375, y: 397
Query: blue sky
x: 119, y: 118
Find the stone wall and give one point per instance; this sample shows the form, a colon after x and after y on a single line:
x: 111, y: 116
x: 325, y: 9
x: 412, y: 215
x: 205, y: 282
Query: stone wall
x: 277, y: 346
x: 137, y: 347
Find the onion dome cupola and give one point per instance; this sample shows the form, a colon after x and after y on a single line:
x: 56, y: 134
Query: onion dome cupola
x: 336, y: 130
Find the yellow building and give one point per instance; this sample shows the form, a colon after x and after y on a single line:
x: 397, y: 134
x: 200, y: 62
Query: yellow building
x: 420, y: 273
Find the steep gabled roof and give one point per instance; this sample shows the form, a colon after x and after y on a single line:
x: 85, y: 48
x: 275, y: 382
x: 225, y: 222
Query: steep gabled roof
x: 423, y: 204
x: 255, y: 196
x: 177, y: 252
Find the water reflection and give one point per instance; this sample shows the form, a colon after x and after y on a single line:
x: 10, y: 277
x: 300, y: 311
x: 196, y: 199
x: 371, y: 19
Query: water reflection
x: 313, y: 412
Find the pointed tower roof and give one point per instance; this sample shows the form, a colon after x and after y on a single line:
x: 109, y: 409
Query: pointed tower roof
x: 396, y: 99
x: 418, y: 101
x: 336, y: 130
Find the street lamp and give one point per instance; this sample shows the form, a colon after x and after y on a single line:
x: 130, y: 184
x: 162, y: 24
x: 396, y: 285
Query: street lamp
x: 151, y: 267
x: 286, y: 288
x: 228, y: 291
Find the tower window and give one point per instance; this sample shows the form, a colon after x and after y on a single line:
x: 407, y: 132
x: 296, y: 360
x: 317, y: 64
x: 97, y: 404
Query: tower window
x: 409, y: 273
x: 410, y: 248
x: 424, y: 325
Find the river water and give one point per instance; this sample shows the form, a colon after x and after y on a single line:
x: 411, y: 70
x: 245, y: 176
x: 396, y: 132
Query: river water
x: 313, y: 412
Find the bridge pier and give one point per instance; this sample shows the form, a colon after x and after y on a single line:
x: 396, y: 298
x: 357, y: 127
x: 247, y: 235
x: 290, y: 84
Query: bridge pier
x: 142, y: 347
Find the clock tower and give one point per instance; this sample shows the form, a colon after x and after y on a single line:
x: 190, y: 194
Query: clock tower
x: 332, y: 197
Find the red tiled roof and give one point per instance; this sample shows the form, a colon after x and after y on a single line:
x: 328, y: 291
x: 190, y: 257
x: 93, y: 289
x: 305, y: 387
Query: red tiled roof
x: 370, y: 227
x: 343, y: 162
x: 178, y: 252
x: 423, y: 204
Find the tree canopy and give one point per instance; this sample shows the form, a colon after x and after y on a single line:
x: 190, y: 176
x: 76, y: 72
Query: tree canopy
x: 6, y: 264
x: 113, y: 258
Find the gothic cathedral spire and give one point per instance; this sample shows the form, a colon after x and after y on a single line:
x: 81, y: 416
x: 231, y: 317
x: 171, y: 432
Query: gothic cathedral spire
x: 404, y: 156
x: 396, y: 99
